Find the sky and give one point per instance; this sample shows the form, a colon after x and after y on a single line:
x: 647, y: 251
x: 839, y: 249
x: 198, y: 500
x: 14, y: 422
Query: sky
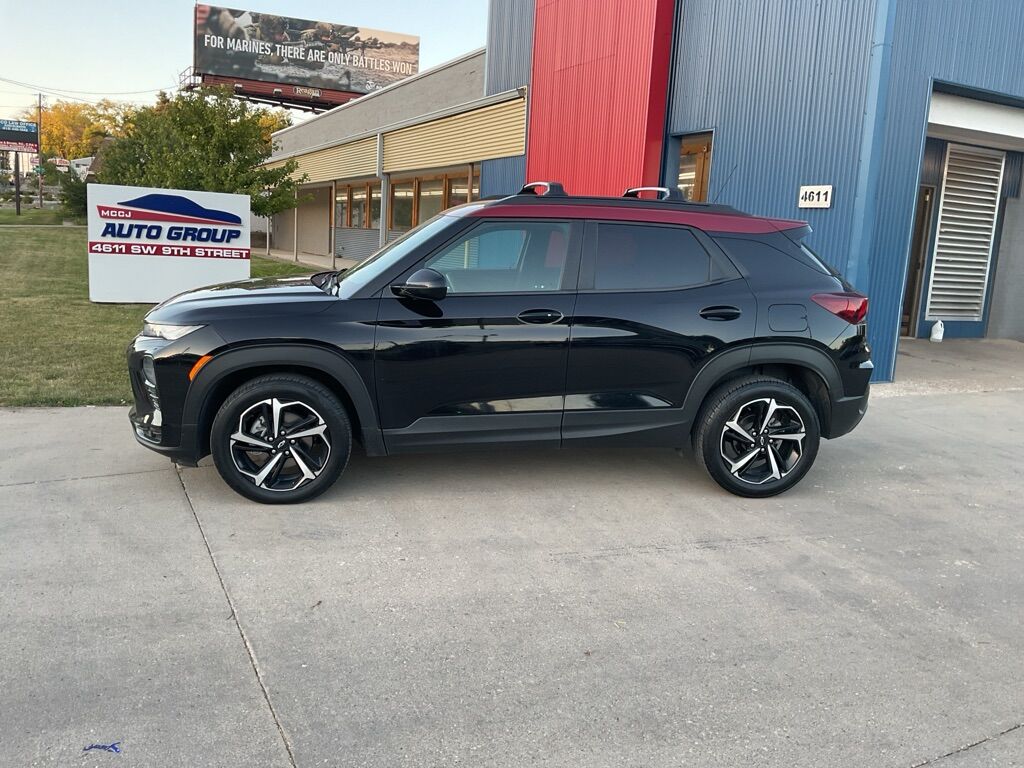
x: 110, y: 48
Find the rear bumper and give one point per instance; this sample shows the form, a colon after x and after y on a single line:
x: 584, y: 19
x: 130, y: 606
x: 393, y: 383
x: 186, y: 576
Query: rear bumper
x: 847, y: 413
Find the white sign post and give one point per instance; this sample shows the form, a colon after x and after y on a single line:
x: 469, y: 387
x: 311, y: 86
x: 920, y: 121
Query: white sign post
x: 146, y: 244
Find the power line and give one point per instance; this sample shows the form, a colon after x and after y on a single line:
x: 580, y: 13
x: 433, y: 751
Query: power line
x: 46, y: 89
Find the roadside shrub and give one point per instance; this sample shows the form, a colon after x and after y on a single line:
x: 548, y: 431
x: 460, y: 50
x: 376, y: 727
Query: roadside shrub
x: 73, y: 195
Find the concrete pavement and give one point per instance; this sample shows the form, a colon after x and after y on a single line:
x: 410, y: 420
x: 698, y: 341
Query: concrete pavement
x: 599, y: 608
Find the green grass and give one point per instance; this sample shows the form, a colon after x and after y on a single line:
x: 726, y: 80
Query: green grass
x: 57, y: 347
x: 32, y: 216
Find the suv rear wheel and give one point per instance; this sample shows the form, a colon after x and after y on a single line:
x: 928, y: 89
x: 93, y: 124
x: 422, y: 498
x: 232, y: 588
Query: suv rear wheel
x: 281, y: 438
x: 757, y: 436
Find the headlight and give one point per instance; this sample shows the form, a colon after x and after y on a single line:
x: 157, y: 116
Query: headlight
x: 169, y: 332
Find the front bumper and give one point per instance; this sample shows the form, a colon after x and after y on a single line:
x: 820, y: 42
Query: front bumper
x: 159, y: 386
x: 142, y: 429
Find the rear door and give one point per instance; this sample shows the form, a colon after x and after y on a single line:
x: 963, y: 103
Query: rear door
x: 655, y: 302
x: 487, y: 363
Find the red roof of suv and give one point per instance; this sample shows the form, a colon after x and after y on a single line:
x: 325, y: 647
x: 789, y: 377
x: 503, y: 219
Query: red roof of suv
x: 558, y: 205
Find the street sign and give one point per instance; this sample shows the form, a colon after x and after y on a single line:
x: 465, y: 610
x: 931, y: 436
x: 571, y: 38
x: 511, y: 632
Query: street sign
x: 19, y: 136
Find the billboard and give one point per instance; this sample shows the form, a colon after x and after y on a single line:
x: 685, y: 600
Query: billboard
x: 308, y: 54
x: 147, y: 244
x: 19, y: 136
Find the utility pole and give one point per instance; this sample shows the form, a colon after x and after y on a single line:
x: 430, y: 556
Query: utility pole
x: 39, y: 149
x: 17, y: 184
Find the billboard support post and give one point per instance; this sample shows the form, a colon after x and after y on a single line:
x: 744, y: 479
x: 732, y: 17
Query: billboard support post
x: 17, y: 184
x: 39, y: 128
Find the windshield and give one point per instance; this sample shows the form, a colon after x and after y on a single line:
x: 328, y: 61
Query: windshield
x: 359, y: 276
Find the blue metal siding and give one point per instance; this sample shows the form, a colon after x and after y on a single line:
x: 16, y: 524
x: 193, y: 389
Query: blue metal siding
x: 509, y: 45
x: 974, y: 45
x: 809, y: 92
x: 504, y: 176
x: 509, y: 58
x: 783, y: 85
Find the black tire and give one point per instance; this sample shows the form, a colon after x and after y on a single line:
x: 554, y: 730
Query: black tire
x: 778, y: 463
x: 303, y: 406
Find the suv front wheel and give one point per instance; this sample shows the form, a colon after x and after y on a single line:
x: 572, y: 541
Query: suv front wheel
x: 281, y: 438
x: 757, y: 436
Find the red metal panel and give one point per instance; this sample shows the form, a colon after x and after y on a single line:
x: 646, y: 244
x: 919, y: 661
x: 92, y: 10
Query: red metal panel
x: 598, y: 93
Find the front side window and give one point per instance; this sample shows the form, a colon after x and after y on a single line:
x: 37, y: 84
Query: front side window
x: 506, y: 257
x: 633, y: 257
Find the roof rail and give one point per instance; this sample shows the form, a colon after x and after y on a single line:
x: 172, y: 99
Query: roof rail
x: 551, y: 188
x: 667, y: 193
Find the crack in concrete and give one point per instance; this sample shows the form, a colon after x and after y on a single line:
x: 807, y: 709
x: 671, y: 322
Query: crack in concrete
x: 241, y: 632
x: 965, y: 747
x: 84, y: 477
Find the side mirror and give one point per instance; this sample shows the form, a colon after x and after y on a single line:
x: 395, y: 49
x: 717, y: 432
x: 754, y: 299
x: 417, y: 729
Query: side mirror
x: 424, y: 284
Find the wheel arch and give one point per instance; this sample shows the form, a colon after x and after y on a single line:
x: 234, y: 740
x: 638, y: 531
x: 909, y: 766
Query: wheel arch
x: 810, y: 370
x: 230, y: 369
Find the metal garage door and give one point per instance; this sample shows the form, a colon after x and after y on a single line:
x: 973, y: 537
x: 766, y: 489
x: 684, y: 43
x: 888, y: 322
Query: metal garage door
x: 968, y: 212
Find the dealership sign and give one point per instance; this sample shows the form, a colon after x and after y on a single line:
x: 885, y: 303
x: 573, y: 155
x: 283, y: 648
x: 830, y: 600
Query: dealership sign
x: 146, y: 245
x: 298, y: 52
x: 19, y: 136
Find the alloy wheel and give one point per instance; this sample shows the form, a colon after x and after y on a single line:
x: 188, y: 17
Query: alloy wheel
x: 763, y: 441
x: 280, y: 445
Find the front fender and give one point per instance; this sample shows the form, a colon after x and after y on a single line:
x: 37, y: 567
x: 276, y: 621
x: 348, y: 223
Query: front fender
x: 204, y: 391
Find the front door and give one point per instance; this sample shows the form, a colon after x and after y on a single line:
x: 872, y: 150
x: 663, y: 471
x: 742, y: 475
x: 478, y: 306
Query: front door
x: 918, y: 257
x: 655, y: 302
x: 486, y: 363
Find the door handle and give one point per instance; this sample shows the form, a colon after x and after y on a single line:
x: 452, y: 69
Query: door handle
x: 720, y: 313
x: 539, y: 316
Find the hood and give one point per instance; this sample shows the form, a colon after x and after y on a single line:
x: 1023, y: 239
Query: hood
x: 266, y: 296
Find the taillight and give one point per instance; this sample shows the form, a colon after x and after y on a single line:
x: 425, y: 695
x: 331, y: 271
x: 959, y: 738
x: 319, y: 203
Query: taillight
x: 849, y: 305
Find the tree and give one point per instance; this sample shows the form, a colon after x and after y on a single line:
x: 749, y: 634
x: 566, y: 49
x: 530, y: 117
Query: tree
x: 74, y: 129
x: 204, y: 141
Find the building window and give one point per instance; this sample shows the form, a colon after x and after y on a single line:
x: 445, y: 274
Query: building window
x: 430, y: 200
x: 413, y: 200
x: 695, y: 167
x: 375, y: 206
x: 402, y: 198
x: 341, y: 207
x: 359, y: 212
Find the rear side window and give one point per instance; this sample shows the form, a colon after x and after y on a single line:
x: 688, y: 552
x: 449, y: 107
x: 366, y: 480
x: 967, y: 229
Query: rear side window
x: 637, y: 257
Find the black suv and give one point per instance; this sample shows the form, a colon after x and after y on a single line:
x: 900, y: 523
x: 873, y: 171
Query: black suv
x: 535, y: 319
